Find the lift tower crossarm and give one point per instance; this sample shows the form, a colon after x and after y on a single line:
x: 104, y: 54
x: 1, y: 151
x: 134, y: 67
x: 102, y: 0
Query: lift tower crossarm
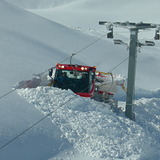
x: 130, y: 25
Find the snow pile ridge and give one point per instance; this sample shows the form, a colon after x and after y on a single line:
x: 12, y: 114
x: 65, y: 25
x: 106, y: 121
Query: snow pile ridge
x: 89, y: 126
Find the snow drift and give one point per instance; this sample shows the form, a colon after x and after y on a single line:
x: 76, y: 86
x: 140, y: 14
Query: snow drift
x: 90, y: 126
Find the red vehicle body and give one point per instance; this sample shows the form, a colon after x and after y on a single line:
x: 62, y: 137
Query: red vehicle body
x: 80, y: 79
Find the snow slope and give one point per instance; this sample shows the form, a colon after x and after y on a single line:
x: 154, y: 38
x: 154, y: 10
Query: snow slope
x: 30, y: 4
x: 87, y: 13
x: 82, y: 128
x: 93, y: 11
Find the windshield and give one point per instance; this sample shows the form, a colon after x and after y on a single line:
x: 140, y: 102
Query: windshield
x: 77, y: 81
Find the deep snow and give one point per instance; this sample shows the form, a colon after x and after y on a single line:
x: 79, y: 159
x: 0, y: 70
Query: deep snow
x: 89, y: 125
x: 81, y: 128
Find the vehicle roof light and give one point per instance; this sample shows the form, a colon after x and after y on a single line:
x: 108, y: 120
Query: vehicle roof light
x: 82, y: 68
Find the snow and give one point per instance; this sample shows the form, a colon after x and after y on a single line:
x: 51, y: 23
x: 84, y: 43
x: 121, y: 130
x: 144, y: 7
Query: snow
x: 84, y: 120
x: 30, y: 4
x: 78, y: 128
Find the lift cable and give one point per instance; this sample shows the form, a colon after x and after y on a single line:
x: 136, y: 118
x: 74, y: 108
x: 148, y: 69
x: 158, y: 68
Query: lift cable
x: 43, y: 118
x: 9, y: 92
x: 40, y: 120
x: 36, y: 123
x: 118, y: 65
x: 90, y: 44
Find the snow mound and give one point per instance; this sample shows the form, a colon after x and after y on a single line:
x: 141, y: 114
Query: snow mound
x: 147, y: 113
x: 91, y: 127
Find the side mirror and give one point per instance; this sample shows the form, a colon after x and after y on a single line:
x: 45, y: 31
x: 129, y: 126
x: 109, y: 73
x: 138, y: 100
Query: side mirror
x: 50, y: 72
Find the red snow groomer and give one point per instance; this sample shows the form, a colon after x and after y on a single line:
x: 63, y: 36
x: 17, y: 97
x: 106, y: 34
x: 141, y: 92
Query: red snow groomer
x: 78, y: 78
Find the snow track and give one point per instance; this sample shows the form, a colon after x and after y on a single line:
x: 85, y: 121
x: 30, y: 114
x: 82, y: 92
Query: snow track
x: 89, y: 126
